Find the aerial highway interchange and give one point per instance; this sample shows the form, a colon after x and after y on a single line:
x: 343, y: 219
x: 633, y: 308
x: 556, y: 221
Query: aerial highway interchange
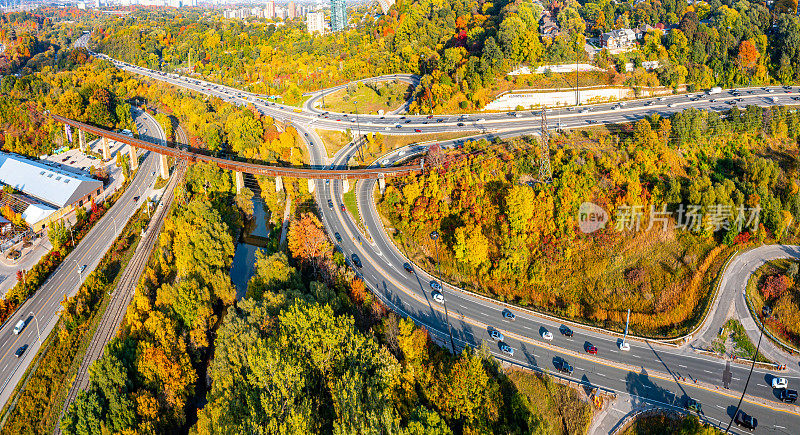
x: 662, y: 373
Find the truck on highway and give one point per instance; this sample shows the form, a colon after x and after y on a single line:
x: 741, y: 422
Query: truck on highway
x: 715, y: 90
x: 21, y: 325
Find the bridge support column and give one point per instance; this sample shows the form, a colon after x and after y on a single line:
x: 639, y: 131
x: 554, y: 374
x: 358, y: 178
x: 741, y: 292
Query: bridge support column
x: 82, y: 140
x: 278, y: 184
x: 239, y: 181
x: 67, y: 134
x: 133, y: 156
x: 346, y: 185
x: 164, y: 167
x: 311, y: 185
x: 382, y: 184
x: 106, y: 150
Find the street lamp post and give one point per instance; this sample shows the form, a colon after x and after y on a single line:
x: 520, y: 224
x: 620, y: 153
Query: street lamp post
x: 747, y: 381
x: 435, y: 237
x: 358, y: 130
x: 38, y: 333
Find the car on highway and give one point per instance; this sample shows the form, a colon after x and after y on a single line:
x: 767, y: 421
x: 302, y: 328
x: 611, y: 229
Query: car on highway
x: 408, y: 268
x: 509, y: 315
x: 21, y: 350
x: 745, y: 420
x: 416, y: 130
x: 342, y: 208
x: 82, y: 268
x: 788, y: 396
x: 565, y: 331
x: 693, y: 405
x: 338, y: 237
x: 330, y: 204
x: 591, y: 349
x: 671, y: 105
x: 460, y: 124
x: 547, y: 335
x: 398, y: 126
x: 624, y: 346
x: 563, y: 366
x: 585, y: 110
x: 435, y: 285
x: 356, y: 260
x: 438, y: 297
x: 779, y: 383
x: 506, y: 349
x: 496, y: 335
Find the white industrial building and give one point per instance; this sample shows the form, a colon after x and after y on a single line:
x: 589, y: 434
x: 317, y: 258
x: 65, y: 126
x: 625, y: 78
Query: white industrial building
x: 54, y: 192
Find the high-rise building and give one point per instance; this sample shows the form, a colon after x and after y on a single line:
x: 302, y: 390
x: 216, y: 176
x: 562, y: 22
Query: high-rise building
x: 291, y: 11
x: 315, y: 22
x: 338, y: 15
x: 269, y: 10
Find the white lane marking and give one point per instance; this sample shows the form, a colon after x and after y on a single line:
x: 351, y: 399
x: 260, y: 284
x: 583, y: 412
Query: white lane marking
x: 636, y: 356
x: 707, y: 371
x: 4, y: 368
x: 682, y: 366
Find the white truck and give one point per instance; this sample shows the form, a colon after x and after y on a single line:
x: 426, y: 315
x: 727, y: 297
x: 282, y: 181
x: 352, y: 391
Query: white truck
x: 715, y: 90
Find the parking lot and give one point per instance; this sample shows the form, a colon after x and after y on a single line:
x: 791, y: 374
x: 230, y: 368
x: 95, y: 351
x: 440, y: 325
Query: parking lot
x: 75, y: 160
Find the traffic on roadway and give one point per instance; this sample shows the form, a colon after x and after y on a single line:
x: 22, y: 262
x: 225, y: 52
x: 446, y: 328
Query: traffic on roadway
x: 40, y: 313
x: 666, y: 375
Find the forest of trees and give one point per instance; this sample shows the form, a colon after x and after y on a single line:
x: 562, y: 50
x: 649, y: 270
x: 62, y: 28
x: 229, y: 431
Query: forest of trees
x: 486, y: 213
x: 468, y: 46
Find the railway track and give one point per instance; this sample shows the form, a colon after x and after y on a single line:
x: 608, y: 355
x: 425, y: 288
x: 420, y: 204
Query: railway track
x: 123, y: 292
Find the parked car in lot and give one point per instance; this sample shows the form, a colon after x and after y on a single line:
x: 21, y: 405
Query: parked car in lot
x: 745, y: 420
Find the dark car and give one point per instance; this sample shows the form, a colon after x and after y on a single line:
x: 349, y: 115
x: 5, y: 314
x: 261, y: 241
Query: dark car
x: 21, y: 350
x: 338, y: 237
x: 460, y: 124
x: 747, y: 421
x: 509, y: 315
x: 566, y: 332
x: 330, y: 204
x: 693, y: 405
x: 789, y: 396
x: 564, y: 367
x: 356, y: 260
x: 408, y: 268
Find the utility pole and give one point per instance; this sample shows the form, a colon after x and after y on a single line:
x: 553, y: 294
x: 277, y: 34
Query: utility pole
x: 358, y: 130
x: 577, y: 72
x: 545, y: 171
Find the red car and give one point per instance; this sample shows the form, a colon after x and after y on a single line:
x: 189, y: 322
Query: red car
x: 417, y: 130
x: 591, y: 350
x: 342, y: 208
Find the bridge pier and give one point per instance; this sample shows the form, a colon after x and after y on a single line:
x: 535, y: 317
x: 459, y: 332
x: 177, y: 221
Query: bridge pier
x: 134, y: 157
x: 82, y: 140
x: 311, y: 184
x: 67, y: 134
x: 382, y: 184
x: 239, y: 181
x: 278, y: 184
x: 164, y: 167
x: 345, y: 185
x: 106, y: 149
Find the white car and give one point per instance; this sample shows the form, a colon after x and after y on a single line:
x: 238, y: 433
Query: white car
x: 624, y: 346
x: 438, y: 297
x: 547, y: 335
x: 779, y: 383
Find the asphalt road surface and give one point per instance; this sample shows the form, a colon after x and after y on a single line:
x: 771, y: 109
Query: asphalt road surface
x: 45, y: 304
x: 652, y: 372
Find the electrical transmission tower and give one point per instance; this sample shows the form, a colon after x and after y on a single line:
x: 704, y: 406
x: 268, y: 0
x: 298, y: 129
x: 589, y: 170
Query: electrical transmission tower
x: 545, y: 172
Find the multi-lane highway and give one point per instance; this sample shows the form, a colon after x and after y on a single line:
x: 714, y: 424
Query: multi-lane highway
x: 650, y: 371
x: 45, y: 304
